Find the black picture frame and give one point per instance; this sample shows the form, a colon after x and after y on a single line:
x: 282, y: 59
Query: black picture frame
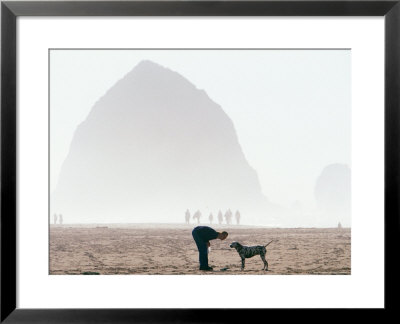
x: 10, y: 10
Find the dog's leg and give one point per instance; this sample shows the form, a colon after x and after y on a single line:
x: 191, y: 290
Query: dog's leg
x: 265, y: 262
x: 243, y: 261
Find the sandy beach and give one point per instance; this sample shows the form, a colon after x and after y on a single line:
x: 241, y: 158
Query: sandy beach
x: 169, y: 249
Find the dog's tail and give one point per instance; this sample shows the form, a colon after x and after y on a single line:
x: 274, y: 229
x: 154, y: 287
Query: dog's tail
x: 268, y: 243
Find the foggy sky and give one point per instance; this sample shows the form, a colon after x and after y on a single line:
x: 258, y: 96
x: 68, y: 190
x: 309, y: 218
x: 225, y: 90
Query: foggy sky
x: 291, y: 109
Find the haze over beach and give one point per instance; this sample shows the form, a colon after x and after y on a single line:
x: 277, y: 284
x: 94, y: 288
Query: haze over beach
x: 147, y: 145
x: 141, y: 136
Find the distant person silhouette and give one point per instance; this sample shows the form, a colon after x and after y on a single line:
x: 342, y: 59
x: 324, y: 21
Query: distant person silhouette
x: 187, y: 216
x: 237, y: 216
x: 197, y: 216
x: 55, y: 218
x: 211, y: 217
x: 220, y: 217
x: 228, y: 216
x: 61, y: 219
x: 202, y: 236
x: 339, y: 225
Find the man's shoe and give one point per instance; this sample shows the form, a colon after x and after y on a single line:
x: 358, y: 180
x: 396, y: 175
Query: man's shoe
x: 206, y: 268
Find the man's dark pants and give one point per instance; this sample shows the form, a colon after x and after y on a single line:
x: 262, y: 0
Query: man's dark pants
x: 202, y: 247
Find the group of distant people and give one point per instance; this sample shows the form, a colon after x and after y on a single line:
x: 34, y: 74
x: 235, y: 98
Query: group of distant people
x: 228, y: 217
x: 58, y: 218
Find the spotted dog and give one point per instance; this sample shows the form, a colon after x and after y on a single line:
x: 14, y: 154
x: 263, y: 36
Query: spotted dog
x: 250, y: 251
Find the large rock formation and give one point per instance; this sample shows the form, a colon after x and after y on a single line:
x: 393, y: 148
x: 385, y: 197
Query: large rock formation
x: 151, y: 147
x: 333, y: 195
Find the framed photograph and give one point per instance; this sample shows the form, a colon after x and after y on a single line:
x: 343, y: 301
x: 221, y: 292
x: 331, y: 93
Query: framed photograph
x: 181, y: 161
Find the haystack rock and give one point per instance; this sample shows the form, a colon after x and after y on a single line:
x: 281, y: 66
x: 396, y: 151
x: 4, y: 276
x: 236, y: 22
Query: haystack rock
x: 151, y: 147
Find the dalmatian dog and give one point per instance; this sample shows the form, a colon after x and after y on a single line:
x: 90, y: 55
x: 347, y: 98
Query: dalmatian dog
x: 250, y: 251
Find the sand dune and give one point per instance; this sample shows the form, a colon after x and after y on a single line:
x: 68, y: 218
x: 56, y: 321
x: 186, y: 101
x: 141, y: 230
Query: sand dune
x: 169, y: 249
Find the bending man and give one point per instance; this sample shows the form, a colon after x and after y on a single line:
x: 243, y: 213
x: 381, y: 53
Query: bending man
x: 202, y: 236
